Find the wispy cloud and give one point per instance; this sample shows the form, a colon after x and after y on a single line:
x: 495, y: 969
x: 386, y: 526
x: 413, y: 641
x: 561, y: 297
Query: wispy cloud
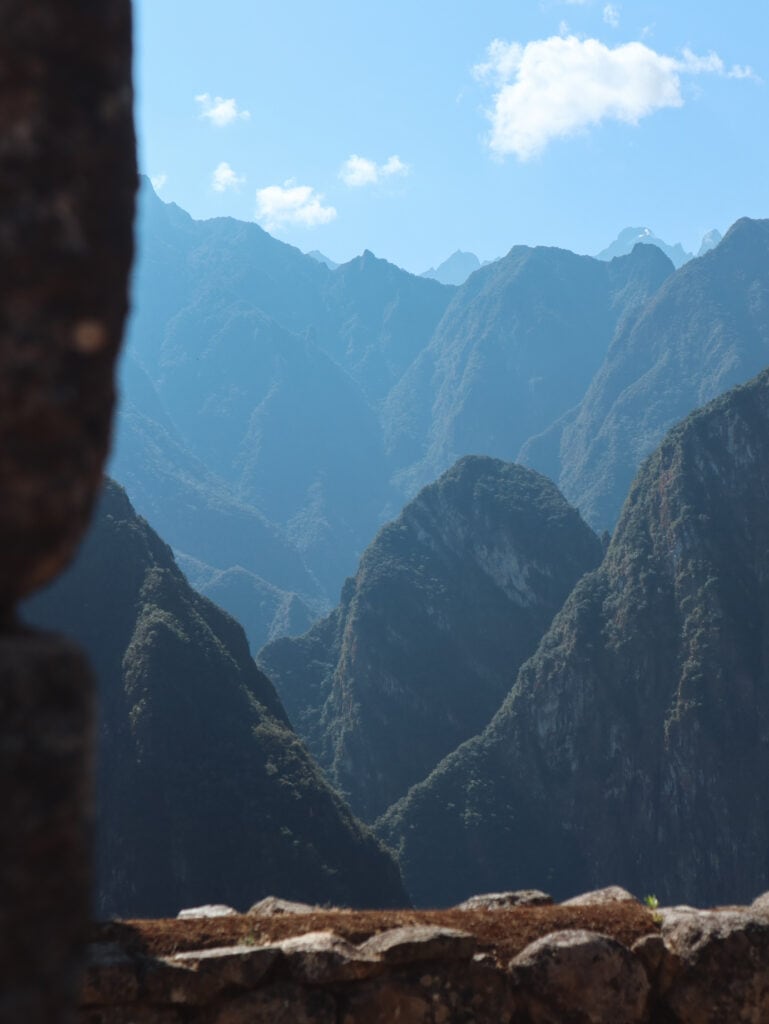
x: 158, y: 181
x: 358, y: 171
x: 551, y: 88
x: 611, y: 15
x: 225, y: 178
x: 220, y: 112
x: 279, y: 205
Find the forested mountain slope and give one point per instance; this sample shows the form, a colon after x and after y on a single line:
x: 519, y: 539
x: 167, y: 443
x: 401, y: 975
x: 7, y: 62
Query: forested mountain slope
x: 634, y: 746
x: 516, y: 348
x: 205, y: 793
x: 448, y: 601
x: 705, y: 330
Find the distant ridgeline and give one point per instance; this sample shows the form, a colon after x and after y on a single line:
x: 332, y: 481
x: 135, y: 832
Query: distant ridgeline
x: 276, y: 412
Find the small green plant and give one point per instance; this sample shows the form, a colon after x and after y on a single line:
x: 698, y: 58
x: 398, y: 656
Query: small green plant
x: 653, y: 904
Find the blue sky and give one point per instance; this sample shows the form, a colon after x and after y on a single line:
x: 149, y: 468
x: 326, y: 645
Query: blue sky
x: 414, y: 129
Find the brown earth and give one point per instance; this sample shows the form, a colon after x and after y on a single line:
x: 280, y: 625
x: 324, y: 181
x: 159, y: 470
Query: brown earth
x: 502, y: 932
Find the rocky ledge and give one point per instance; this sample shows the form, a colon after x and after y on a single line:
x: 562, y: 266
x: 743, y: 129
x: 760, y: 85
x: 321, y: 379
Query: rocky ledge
x: 601, y: 958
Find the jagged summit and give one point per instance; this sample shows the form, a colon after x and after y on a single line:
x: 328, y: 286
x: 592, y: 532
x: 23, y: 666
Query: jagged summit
x: 629, y: 237
x: 456, y: 269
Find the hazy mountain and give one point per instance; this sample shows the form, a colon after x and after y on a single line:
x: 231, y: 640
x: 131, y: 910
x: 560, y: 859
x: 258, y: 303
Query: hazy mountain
x: 516, y: 348
x: 194, y: 508
x: 705, y: 330
x: 317, y: 255
x: 628, y: 238
x: 267, y: 368
x: 205, y: 793
x: 263, y: 610
x: 448, y: 601
x: 710, y: 241
x: 456, y: 269
x: 382, y: 319
x: 633, y: 747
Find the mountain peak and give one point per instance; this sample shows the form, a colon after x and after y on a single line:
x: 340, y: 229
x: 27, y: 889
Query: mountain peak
x: 456, y: 269
x: 629, y: 237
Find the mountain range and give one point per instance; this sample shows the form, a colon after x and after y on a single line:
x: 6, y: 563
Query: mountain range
x: 634, y: 744
x: 628, y: 238
x: 267, y: 393
x: 703, y: 331
x: 484, y: 690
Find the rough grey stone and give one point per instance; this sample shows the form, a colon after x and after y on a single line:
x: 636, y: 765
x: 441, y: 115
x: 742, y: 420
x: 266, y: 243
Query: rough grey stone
x: 716, y: 966
x: 207, y: 910
x: 323, y: 957
x: 216, y: 970
x: 517, y: 898
x: 417, y: 943
x: 271, y: 905
x: 611, y: 894
x: 580, y: 977
x: 650, y: 950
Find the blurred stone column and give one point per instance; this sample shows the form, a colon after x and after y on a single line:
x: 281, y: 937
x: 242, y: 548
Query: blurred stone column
x: 67, y: 183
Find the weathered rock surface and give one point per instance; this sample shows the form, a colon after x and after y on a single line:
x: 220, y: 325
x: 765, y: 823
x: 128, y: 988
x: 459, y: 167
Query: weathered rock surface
x: 322, y: 957
x: 610, y: 894
x: 67, y: 182
x: 207, y: 910
x: 677, y: 966
x: 580, y: 977
x: 420, y: 942
x: 716, y: 966
x: 275, y: 905
x: 517, y: 898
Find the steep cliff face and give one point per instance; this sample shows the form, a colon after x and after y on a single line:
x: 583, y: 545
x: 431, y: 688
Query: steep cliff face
x: 706, y: 330
x: 635, y: 743
x: 448, y: 601
x: 205, y: 792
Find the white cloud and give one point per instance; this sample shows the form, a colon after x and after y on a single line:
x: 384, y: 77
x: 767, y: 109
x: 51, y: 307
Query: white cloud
x: 224, y: 177
x: 158, y: 181
x: 278, y: 205
x: 357, y: 171
x: 555, y: 87
x: 611, y: 15
x: 219, y: 111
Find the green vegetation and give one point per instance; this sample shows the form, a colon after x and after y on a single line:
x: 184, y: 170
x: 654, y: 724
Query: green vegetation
x: 205, y: 792
x: 448, y: 601
x: 631, y: 745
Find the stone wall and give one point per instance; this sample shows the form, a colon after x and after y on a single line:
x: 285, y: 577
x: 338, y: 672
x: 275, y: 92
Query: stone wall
x: 675, y: 966
x: 67, y: 182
